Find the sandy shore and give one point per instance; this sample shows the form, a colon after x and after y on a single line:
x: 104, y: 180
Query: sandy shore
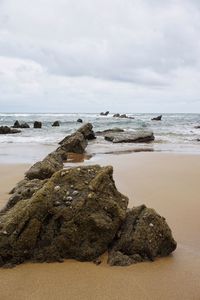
x: 167, y: 182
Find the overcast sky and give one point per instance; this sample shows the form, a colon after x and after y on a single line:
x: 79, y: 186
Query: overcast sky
x: 95, y: 55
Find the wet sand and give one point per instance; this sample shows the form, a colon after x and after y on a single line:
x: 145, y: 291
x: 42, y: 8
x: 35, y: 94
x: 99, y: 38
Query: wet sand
x: 167, y: 182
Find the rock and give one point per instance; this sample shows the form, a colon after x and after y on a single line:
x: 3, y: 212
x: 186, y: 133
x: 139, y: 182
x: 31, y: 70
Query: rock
x: 8, y: 130
x: 87, y: 131
x: 24, y: 191
x: 56, y: 124
x: 44, y: 228
x: 144, y: 235
x: 157, y: 118
x: 123, y: 116
x: 116, y: 115
x: 104, y: 113
x: 75, y: 143
x: 79, y: 121
x: 130, y: 137
x: 37, y: 124
x: 198, y: 140
x: 45, y: 168
x: 22, y: 125
x: 197, y: 127
x: 109, y: 131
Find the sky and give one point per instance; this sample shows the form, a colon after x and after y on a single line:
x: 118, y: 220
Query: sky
x: 98, y: 55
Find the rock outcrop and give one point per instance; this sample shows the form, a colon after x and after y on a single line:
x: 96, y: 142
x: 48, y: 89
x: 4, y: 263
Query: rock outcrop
x: 76, y: 214
x: 37, y: 124
x: 158, y: 118
x: 45, y: 168
x: 8, y: 130
x: 130, y: 137
x: 56, y: 124
x: 20, y: 125
x: 104, y: 113
x: 87, y: 131
x: 75, y: 143
x: 144, y: 235
x: 79, y: 121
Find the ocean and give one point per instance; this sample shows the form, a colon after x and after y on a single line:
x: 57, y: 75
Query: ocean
x: 175, y: 133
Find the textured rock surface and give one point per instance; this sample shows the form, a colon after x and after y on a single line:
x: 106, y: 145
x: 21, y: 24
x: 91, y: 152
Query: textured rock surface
x: 56, y: 124
x: 87, y: 131
x: 45, y: 168
x: 144, y: 235
x: 130, y: 137
x: 8, y: 130
x: 76, y: 214
x: 75, y: 142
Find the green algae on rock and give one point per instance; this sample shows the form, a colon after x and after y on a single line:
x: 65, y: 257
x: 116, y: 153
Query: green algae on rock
x: 76, y: 214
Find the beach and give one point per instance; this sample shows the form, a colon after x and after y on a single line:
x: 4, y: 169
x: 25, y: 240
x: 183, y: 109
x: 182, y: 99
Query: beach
x: 169, y: 183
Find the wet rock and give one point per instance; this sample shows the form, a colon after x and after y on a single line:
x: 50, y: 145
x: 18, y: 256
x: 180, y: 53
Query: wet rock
x: 144, y: 235
x: 8, y: 130
x: 104, y: 132
x: 75, y: 143
x: 197, y: 127
x: 56, y: 124
x: 116, y: 115
x: 130, y: 137
x: 79, y: 121
x: 37, y: 124
x: 24, y: 191
x: 104, y: 113
x: 22, y: 125
x: 45, y: 229
x: 45, y: 168
x: 87, y: 131
x: 159, y: 118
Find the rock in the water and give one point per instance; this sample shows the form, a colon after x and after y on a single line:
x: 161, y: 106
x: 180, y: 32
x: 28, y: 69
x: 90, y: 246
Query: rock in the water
x: 56, y: 124
x: 104, y: 113
x: 37, y: 124
x: 22, y: 125
x: 197, y: 127
x: 75, y: 143
x: 130, y: 137
x: 106, y: 131
x: 87, y: 131
x: 8, y: 130
x: 79, y: 121
x: 144, y: 235
x: 116, y: 115
x: 158, y: 118
x: 45, y: 168
x: 51, y: 227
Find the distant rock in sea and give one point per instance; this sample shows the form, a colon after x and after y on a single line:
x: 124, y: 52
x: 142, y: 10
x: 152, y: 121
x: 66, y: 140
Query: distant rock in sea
x: 56, y: 124
x: 8, y: 130
x: 159, y: 118
x: 20, y: 125
x: 104, y: 113
x: 37, y: 124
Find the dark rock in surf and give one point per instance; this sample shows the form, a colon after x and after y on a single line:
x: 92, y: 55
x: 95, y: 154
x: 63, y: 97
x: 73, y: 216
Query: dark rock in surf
x: 22, y: 125
x: 8, y: 130
x: 79, y: 121
x: 75, y: 143
x: 144, y: 235
x: 37, y: 124
x: 56, y: 124
x: 104, y: 113
x: 130, y: 137
x: 159, y: 118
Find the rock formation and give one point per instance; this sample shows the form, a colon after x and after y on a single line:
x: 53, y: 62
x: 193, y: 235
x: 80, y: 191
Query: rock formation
x: 79, y: 121
x: 130, y: 137
x: 104, y: 113
x: 159, y: 118
x: 144, y: 235
x: 87, y: 131
x: 76, y: 214
x: 107, y: 131
x: 22, y: 125
x: 75, y: 142
x: 8, y: 130
x: 56, y: 124
x: 37, y: 124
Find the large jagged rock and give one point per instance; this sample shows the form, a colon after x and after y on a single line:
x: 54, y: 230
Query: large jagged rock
x: 87, y: 131
x: 45, y: 168
x: 22, y: 125
x: 75, y: 143
x: 139, y: 136
x: 8, y: 130
x: 76, y: 214
x: 144, y: 235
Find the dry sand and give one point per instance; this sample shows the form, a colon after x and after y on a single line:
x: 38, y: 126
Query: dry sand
x: 170, y: 184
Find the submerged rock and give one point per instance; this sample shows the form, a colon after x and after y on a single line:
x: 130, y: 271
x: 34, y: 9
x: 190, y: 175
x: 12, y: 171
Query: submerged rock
x: 144, y: 235
x: 8, y: 130
x: 45, y: 168
x: 130, y: 137
x: 76, y: 214
x: 56, y: 124
x: 158, y: 118
x: 37, y: 124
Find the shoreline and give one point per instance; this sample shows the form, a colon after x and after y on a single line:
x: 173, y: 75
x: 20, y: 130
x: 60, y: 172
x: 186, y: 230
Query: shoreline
x: 167, y: 182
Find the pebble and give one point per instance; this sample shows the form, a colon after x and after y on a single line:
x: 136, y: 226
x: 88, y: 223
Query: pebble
x: 63, y: 174
x: 75, y: 193
x: 151, y: 225
x: 72, y: 186
x: 5, y: 232
x: 90, y: 195
x: 57, y: 203
x: 67, y: 193
x: 78, y: 169
x: 69, y: 198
